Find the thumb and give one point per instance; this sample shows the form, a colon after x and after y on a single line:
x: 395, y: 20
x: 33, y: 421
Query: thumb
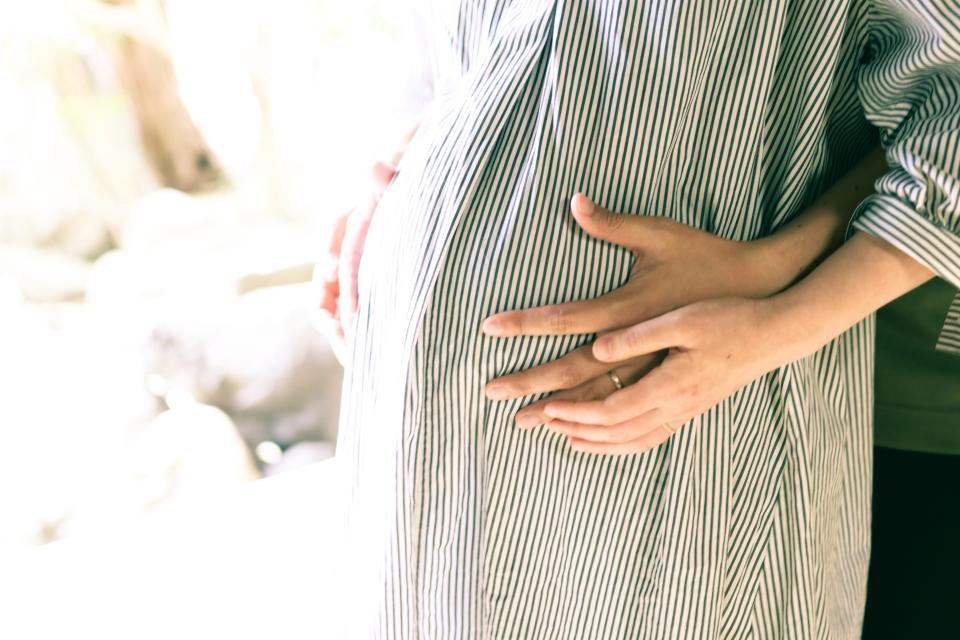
x: 601, y: 223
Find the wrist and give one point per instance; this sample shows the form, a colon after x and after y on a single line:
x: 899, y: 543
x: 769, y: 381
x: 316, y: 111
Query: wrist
x: 804, y: 317
x: 786, y: 332
x: 838, y: 294
x: 759, y: 267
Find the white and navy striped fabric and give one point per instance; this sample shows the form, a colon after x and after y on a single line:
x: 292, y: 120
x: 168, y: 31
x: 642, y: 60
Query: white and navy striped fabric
x: 949, y: 339
x: 732, y: 116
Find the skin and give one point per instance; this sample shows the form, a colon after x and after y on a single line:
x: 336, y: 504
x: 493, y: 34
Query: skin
x: 700, y: 317
x: 335, y: 274
x: 717, y: 346
x: 696, y: 307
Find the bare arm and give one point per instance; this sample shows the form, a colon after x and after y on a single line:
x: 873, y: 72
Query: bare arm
x: 717, y: 346
x: 801, y: 244
x: 859, y: 278
x: 674, y: 265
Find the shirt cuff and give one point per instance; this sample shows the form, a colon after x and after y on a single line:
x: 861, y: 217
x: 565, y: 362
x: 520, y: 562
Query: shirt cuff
x: 897, y: 222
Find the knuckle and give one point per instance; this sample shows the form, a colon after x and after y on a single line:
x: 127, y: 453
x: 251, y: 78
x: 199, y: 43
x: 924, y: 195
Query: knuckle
x: 689, y: 324
x: 614, y: 221
x: 568, y: 376
x: 512, y: 322
x: 633, y: 339
x: 513, y: 391
x: 692, y: 331
x: 558, y: 321
x: 576, y: 431
x: 682, y: 404
x: 516, y: 387
x: 619, y: 434
x: 608, y: 412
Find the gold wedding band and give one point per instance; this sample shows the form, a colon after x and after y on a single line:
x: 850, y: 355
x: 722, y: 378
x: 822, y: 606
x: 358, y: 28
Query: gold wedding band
x: 616, y: 379
x: 670, y: 428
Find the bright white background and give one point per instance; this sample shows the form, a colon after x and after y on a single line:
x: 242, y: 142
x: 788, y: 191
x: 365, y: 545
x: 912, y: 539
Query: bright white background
x: 166, y: 425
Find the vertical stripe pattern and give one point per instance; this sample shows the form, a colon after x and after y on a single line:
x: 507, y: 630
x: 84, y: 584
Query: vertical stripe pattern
x: 753, y: 521
x: 949, y: 339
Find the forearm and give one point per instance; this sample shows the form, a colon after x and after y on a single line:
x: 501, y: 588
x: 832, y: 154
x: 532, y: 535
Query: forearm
x: 853, y: 282
x: 799, y: 246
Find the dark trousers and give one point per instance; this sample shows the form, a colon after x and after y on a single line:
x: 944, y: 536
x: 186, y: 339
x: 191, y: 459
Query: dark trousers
x: 914, y: 584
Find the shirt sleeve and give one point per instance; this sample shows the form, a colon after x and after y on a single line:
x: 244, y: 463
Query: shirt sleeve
x: 415, y: 80
x: 949, y: 340
x: 909, y: 86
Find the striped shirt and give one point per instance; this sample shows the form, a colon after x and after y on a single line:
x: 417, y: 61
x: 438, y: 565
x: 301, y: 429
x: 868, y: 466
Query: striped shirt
x: 949, y: 340
x: 753, y: 521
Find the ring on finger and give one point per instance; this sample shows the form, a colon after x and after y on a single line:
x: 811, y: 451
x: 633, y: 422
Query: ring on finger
x: 616, y: 379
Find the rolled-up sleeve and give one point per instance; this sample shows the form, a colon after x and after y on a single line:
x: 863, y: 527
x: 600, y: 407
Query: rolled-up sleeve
x: 909, y: 87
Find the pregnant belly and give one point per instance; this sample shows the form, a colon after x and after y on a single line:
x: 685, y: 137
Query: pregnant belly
x: 452, y: 244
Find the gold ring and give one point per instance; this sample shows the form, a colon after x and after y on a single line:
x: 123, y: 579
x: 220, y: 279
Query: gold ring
x: 616, y: 379
x: 670, y: 428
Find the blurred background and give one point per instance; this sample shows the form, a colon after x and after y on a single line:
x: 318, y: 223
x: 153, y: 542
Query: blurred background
x: 168, y: 170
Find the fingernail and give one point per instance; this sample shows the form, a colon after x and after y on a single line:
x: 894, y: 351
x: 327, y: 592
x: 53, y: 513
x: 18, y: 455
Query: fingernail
x: 585, y: 205
x: 527, y: 421
x: 573, y: 202
x: 601, y: 351
x: 496, y: 391
x: 491, y: 326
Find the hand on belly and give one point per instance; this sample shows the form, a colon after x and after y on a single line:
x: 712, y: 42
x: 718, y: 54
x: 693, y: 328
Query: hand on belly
x: 659, y: 359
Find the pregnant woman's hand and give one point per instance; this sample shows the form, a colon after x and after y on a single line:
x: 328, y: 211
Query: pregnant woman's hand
x: 335, y: 274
